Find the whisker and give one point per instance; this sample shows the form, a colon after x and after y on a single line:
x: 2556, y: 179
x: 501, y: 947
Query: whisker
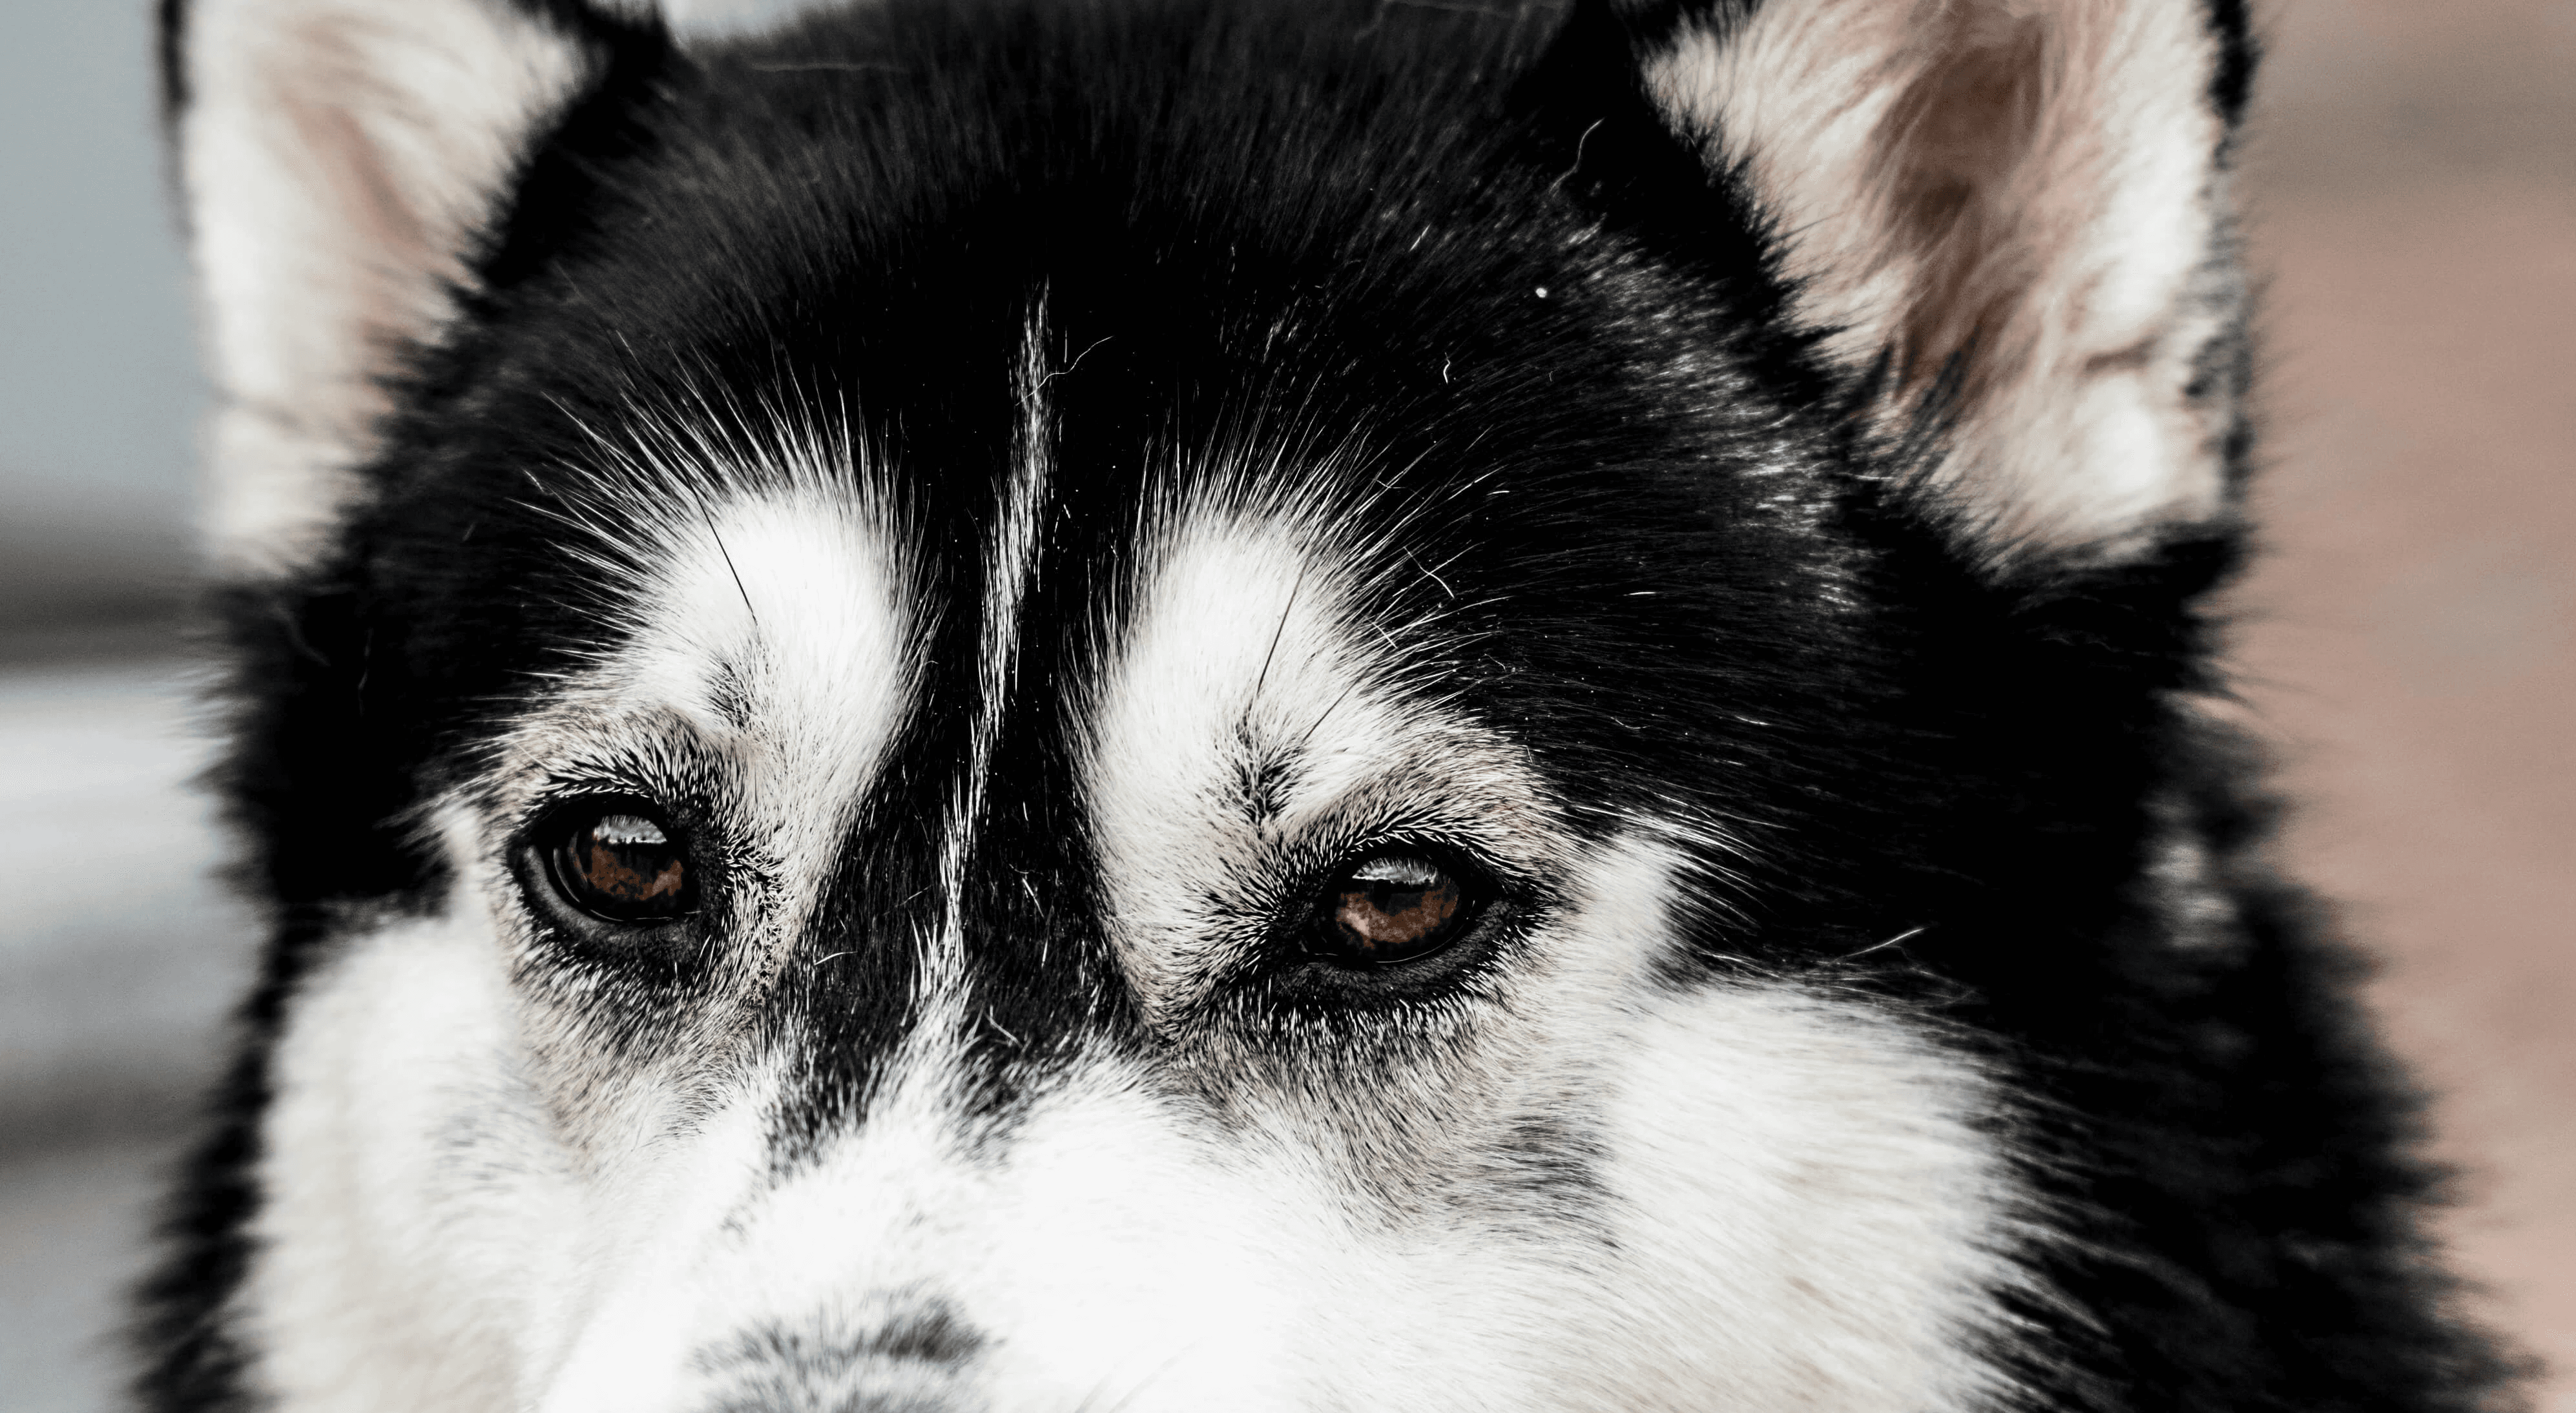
x: 710, y: 517
x: 1327, y: 716
x: 1276, y: 633
x: 1898, y: 940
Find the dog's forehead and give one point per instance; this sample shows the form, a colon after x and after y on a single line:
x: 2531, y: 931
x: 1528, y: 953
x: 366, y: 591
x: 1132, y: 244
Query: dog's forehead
x: 1238, y: 677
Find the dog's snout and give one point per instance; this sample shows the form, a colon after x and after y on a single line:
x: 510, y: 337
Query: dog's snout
x: 913, y: 1362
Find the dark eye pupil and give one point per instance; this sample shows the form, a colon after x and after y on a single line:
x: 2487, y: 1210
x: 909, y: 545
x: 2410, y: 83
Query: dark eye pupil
x: 1392, y: 908
x: 624, y: 867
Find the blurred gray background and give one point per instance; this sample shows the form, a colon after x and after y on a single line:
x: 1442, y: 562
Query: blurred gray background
x: 117, y: 953
x: 2410, y: 642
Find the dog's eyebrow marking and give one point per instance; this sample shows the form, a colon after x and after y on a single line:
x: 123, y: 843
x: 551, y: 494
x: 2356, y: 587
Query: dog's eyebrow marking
x: 776, y: 1363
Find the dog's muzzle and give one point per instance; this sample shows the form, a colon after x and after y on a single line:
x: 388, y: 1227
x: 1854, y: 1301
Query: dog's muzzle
x: 917, y: 1362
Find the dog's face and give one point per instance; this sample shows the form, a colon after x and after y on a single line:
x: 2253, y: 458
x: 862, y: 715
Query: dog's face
x: 1189, y: 709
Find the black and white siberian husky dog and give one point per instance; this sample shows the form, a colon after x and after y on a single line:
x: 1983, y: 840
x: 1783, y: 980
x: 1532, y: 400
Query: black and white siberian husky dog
x: 1207, y: 705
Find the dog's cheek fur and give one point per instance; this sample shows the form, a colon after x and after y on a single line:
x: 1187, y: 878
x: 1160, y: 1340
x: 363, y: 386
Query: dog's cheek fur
x: 454, y: 1174
x: 1761, y: 1134
x: 418, y: 1211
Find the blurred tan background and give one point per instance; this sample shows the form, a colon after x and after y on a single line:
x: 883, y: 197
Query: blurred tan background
x: 2409, y: 641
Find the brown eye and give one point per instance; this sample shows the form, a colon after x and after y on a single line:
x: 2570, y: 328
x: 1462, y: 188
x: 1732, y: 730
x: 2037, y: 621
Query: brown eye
x: 621, y: 864
x: 1389, y: 908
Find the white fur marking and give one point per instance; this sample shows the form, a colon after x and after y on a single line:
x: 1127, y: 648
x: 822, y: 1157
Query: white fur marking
x: 1010, y: 567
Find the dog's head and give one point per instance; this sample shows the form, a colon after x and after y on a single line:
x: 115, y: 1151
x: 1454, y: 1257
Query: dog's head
x: 1196, y: 706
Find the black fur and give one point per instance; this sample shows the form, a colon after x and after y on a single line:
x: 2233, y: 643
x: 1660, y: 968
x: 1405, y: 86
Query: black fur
x: 1457, y: 253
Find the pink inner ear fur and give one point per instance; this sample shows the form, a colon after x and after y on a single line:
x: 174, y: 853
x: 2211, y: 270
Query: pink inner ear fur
x: 340, y: 157
x: 324, y: 100
x: 2021, y: 195
x: 1946, y: 157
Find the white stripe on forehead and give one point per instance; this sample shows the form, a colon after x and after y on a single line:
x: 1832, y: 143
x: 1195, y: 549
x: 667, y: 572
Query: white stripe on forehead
x: 1010, y: 569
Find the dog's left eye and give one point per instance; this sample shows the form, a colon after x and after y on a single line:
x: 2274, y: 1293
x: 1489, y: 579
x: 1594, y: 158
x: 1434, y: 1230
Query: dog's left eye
x: 1389, y: 908
x: 619, y: 862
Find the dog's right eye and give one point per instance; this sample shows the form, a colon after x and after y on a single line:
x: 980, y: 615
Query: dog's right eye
x: 620, y: 861
x: 1389, y: 908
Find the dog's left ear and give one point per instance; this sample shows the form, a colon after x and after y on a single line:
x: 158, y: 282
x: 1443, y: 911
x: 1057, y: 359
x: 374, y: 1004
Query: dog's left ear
x: 341, y: 161
x: 2021, y: 207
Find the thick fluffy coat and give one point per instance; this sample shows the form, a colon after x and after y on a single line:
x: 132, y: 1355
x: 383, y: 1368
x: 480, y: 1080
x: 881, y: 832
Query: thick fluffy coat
x: 1237, y: 705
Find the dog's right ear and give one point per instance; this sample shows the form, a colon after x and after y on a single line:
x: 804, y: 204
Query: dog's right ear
x: 341, y: 161
x: 2007, y: 220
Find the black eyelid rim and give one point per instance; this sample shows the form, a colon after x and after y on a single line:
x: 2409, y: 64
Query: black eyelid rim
x: 1477, y: 874
x: 560, y: 798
